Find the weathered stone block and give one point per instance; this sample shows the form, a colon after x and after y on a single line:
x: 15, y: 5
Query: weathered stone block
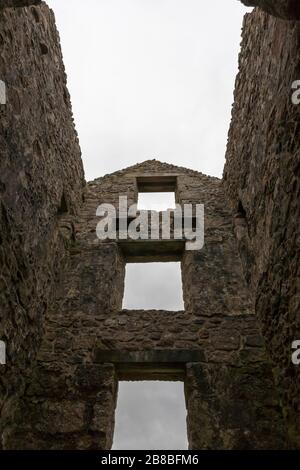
x: 61, y: 417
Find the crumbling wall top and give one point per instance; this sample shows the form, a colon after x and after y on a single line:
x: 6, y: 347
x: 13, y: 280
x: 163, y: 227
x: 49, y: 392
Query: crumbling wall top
x: 286, y: 9
x: 18, y: 3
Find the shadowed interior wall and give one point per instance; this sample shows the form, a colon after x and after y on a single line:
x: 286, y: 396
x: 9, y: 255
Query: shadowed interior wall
x: 262, y: 182
x: 41, y: 177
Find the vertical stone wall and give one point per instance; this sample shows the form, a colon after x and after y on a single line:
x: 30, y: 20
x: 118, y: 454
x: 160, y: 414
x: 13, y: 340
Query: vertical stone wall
x: 262, y: 182
x: 41, y: 180
x: 212, y: 276
x: 232, y: 408
x: 65, y: 408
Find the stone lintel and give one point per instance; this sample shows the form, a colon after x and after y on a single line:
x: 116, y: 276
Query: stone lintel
x: 157, y: 183
x: 150, y: 365
x: 142, y: 251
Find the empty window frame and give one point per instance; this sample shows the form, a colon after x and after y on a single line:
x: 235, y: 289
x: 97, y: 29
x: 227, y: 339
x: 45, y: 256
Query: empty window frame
x: 150, y: 416
x: 153, y: 286
x: 156, y: 192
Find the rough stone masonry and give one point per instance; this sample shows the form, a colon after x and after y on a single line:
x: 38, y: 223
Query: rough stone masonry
x: 262, y: 182
x: 68, y: 339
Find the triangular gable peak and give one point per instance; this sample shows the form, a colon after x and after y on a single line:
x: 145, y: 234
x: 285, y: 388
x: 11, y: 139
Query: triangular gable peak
x: 156, y: 167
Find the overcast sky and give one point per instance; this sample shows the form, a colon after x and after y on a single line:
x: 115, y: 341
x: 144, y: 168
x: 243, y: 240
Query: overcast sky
x: 144, y: 289
x: 151, y: 79
x: 147, y: 400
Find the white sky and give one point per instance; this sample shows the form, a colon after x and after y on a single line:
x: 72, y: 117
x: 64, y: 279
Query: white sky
x: 156, y: 286
x: 156, y: 201
x: 164, y: 403
x: 151, y: 79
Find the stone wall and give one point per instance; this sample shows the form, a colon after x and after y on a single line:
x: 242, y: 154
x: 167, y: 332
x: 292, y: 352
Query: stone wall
x: 61, y: 289
x: 41, y: 178
x: 87, y: 332
x: 231, y: 407
x: 66, y: 408
x: 262, y: 182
